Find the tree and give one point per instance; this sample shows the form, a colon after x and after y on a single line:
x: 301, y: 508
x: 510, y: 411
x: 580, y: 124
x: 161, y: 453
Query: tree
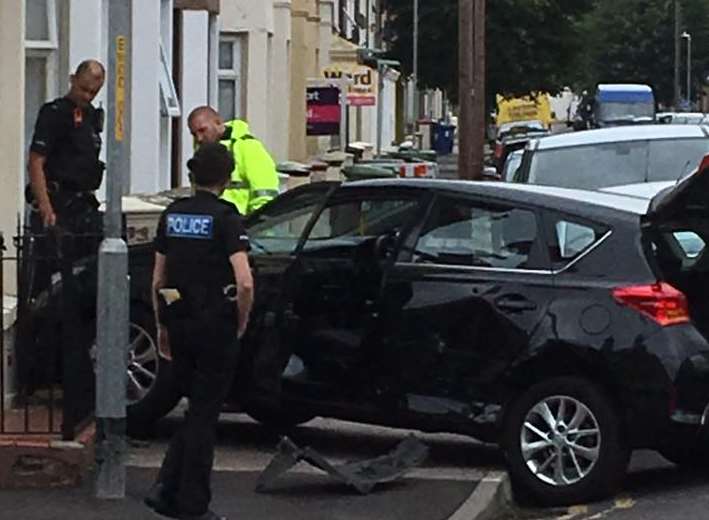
x: 544, y: 45
x: 532, y: 45
x: 632, y: 41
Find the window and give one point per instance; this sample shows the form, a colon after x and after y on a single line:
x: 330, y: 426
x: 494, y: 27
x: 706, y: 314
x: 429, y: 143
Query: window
x: 231, y: 52
x: 278, y: 228
x: 41, y: 59
x: 349, y: 223
x: 170, y: 104
x: 462, y: 233
x: 692, y: 244
x: 571, y: 239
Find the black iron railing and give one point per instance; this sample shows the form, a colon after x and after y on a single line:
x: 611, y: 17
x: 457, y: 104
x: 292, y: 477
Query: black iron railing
x: 54, y: 334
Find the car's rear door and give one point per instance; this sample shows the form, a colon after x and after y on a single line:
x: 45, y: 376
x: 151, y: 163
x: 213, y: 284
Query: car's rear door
x: 465, y: 298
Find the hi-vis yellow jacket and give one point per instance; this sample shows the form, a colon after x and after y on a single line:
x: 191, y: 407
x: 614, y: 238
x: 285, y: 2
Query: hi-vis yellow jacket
x: 254, y: 180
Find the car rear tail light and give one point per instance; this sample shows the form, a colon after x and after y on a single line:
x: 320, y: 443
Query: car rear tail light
x: 402, y: 170
x: 660, y: 302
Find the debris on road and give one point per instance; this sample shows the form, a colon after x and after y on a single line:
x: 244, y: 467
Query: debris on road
x: 363, y: 475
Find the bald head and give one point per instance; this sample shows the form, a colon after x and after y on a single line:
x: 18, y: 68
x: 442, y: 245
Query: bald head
x: 86, y: 82
x: 93, y: 68
x: 206, y: 125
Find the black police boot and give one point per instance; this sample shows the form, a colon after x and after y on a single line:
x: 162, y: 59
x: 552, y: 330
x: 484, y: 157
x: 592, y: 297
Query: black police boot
x: 160, y: 502
x: 209, y: 515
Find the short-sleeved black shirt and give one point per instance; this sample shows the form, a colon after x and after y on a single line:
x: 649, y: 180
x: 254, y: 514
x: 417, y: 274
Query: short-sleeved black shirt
x: 198, y: 235
x: 69, y: 137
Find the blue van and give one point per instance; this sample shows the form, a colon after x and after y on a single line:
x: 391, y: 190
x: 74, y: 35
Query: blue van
x: 623, y: 104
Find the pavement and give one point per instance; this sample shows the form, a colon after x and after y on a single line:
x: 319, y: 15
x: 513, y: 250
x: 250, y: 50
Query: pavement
x: 446, y: 487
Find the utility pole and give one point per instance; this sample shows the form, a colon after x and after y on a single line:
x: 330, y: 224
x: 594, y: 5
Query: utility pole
x: 471, y: 51
x: 678, y: 18
x: 416, y: 63
x: 112, y: 300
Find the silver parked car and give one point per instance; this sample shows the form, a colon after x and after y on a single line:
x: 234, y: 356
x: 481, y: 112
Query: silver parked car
x: 617, y: 156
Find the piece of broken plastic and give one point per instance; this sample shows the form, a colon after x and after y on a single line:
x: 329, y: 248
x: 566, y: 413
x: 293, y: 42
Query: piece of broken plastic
x: 363, y: 476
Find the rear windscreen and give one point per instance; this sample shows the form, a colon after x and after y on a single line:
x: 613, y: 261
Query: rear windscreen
x: 615, y: 164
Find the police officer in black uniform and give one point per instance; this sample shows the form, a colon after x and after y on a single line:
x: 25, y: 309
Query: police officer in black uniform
x: 64, y: 221
x: 203, y: 292
x: 64, y: 165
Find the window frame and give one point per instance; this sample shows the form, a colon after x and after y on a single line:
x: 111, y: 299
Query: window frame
x: 552, y: 217
x: 47, y: 50
x: 343, y: 196
x: 406, y: 253
x: 170, y: 105
x: 52, y: 41
x: 290, y: 201
x: 236, y: 74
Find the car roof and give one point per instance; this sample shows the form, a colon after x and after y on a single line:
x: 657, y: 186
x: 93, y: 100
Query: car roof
x: 574, y: 201
x: 643, y: 190
x: 624, y: 87
x: 622, y: 133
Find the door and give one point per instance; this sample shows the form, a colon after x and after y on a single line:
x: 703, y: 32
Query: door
x: 275, y: 231
x: 331, y: 310
x: 465, y: 298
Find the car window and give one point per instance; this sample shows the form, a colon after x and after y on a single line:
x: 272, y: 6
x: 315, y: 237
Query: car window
x: 571, y: 239
x: 463, y: 233
x: 692, y: 244
x: 674, y: 158
x: 350, y: 222
x: 615, y: 164
x: 279, y: 227
x: 590, y: 167
x: 513, y: 162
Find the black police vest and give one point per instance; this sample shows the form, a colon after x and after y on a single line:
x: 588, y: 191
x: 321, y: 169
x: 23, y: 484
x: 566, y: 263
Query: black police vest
x: 75, y: 164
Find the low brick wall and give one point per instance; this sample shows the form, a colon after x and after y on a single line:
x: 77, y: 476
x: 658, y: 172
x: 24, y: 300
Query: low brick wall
x: 44, y: 461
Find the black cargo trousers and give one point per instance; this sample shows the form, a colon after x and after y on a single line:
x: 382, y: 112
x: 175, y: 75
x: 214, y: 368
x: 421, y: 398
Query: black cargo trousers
x: 205, y: 350
x: 77, y: 235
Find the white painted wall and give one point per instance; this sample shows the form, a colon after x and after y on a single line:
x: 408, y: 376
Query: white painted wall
x: 279, y: 105
x: 12, y: 100
x: 265, y: 51
x: 146, y: 175
x: 194, y: 83
x: 88, y: 39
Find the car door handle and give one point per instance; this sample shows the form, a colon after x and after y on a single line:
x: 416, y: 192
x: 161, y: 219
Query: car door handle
x: 515, y: 304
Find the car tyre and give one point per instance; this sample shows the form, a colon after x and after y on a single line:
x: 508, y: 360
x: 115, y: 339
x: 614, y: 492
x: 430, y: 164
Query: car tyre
x: 163, y: 396
x: 551, y: 432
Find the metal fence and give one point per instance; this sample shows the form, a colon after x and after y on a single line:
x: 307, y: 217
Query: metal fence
x: 53, y: 335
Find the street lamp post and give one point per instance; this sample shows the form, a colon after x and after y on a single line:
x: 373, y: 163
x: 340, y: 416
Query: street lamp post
x: 688, y: 37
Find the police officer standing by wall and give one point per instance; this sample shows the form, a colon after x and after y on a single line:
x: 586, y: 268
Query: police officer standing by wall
x: 254, y: 180
x: 203, y: 291
x: 64, y: 170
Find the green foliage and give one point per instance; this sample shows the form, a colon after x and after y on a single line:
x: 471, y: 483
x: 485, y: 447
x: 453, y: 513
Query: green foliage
x: 532, y: 44
x: 537, y: 45
x: 633, y: 41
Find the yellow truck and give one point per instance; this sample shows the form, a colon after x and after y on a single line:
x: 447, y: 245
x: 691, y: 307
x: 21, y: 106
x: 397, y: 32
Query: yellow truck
x: 534, y: 107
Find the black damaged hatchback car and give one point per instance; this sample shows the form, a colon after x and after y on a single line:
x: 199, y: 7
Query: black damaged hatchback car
x: 568, y: 326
